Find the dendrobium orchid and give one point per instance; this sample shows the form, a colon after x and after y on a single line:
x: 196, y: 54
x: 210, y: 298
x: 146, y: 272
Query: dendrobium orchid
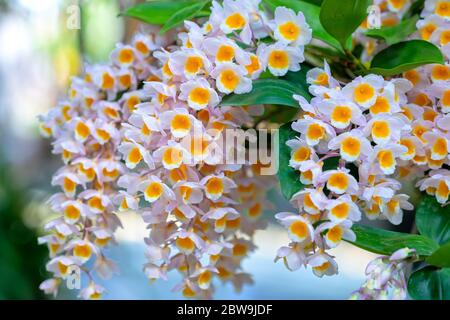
x: 144, y: 133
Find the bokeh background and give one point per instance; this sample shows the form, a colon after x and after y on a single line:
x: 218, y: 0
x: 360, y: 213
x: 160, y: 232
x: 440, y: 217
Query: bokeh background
x: 38, y: 55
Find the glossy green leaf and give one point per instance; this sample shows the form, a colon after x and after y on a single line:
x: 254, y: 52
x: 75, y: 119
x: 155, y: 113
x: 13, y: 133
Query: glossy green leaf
x: 415, y: 8
x: 341, y: 18
x: 430, y: 283
x: 387, y: 242
x: 180, y: 16
x: 331, y: 164
x: 289, y: 178
x: 311, y: 13
x: 273, y: 113
x: 404, y: 56
x: 157, y: 12
x: 298, y: 78
x: 268, y: 91
x: 433, y: 220
x: 441, y: 257
x: 394, y: 34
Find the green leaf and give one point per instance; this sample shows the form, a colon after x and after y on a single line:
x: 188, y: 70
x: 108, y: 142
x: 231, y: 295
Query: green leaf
x: 433, y: 220
x: 387, y: 242
x: 330, y: 163
x: 341, y: 18
x: 430, y: 283
x: 416, y: 8
x: 311, y: 13
x: 289, y: 178
x: 275, y: 114
x: 394, y: 34
x: 157, y: 12
x: 180, y: 16
x: 268, y: 91
x: 298, y: 78
x: 404, y: 56
x: 441, y: 257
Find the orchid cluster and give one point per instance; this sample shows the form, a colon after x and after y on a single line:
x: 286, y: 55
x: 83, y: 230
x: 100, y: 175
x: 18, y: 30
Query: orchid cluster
x: 201, y: 210
x: 386, y: 277
x: 143, y: 134
x: 147, y: 133
x: 87, y: 131
x: 364, y: 125
x: 432, y: 92
x: 356, y: 142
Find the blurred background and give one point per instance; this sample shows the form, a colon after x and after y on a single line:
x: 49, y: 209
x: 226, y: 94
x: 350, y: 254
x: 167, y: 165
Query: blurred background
x: 38, y: 55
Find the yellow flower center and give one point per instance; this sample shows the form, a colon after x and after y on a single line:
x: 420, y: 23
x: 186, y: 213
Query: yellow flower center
x: 185, y: 244
x: 235, y: 21
x: 351, y: 146
x: 132, y: 102
x: 229, y: 79
x: 71, y: 212
x: 254, y: 65
x: 339, y: 181
x: 239, y: 250
x: 445, y: 37
x: 446, y: 98
x: 443, y: 9
x: 381, y: 105
x: 82, y: 130
x: 386, y: 158
x: 413, y: 76
x: 193, y: 64
x: 315, y: 131
x: 142, y: 47
x: 200, y: 96
x: 134, y: 156
x: 278, y: 59
x: 126, y: 56
x: 335, y: 234
x: 154, y: 190
x: 440, y: 147
x: 363, y: 93
x: 69, y: 185
x: 289, y: 30
x: 299, y: 229
x: 83, y: 251
x: 301, y: 154
x: 381, y: 129
x: 180, y: 122
x: 108, y: 81
x: 341, y: 114
x: 172, y: 156
x: 225, y: 53
x: 96, y: 203
x: 341, y: 210
x: 322, y: 79
x: 214, y: 186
